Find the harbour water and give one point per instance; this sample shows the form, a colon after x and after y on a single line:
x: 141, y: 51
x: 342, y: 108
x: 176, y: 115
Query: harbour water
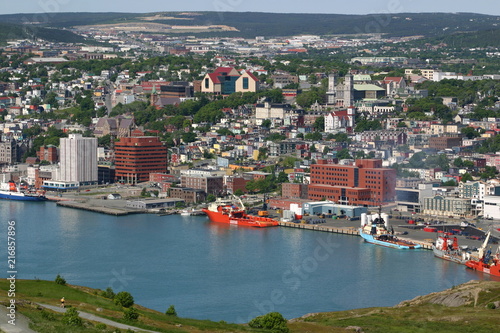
x: 216, y: 271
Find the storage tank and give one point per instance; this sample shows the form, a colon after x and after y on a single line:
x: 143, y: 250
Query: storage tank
x: 385, y: 217
x: 364, y: 220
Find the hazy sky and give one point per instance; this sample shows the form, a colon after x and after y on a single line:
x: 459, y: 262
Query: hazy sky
x: 491, y: 7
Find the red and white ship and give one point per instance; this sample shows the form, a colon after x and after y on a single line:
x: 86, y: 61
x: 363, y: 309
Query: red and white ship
x: 487, y: 263
x: 226, y: 212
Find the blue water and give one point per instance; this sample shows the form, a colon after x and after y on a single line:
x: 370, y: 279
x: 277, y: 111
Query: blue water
x: 216, y: 271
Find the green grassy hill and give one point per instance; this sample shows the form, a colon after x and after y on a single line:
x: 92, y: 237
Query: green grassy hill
x: 471, y: 307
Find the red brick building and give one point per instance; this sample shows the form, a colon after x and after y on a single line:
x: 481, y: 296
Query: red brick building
x: 137, y: 157
x: 48, y: 153
x: 161, y: 177
x: 365, y: 183
x: 234, y: 184
x: 294, y: 191
x: 210, y: 184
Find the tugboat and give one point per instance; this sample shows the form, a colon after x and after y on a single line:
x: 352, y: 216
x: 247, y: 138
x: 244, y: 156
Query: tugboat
x: 374, y: 229
x: 225, y: 211
x: 11, y: 192
x: 487, y: 263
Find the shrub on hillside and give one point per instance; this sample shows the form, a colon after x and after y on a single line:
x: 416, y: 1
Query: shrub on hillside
x: 124, y: 298
x: 272, y: 321
x: 60, y: 280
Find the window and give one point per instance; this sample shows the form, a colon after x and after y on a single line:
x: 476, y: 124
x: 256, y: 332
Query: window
x: 245, y: 83
x: 207, y: 83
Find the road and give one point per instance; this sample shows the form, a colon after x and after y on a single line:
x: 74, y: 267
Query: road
x: 92, y: 317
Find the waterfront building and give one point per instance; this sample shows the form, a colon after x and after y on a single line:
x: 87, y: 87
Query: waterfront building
x: 210, y: 184
x: 78, y: 160
x: 411, y: 199
x: 137, y: 157
x: 364, y: 183
x: 447, y: 206
x: 294, y: 191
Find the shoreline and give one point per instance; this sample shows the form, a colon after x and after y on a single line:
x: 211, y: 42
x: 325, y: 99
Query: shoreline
x: 413, y: 233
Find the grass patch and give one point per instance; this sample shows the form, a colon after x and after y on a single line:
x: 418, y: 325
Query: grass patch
x: 30, y: 292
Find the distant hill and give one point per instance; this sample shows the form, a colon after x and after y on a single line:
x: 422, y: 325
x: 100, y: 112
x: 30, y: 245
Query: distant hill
x: 251, y: 24
x: 16, y: 31
x: 487, y: 38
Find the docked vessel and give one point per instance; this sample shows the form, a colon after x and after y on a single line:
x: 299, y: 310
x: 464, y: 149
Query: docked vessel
x: 11, y: 192
x: 487, y: 263
x: 374, y: 229
x: 448, y: 249
x: 226, y: 212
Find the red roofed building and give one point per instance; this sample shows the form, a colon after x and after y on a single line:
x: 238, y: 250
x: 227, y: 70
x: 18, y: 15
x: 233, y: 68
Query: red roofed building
x: 227, y: 80
x: 342, y: 119
x: 393, y: 84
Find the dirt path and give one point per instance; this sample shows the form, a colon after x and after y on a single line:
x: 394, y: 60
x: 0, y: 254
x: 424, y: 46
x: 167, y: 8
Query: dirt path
x: 22, y: 323
x: 92, y: 317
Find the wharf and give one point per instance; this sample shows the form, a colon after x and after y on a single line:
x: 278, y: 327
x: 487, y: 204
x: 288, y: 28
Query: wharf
x: 345, y: 231
x: 99, y: 209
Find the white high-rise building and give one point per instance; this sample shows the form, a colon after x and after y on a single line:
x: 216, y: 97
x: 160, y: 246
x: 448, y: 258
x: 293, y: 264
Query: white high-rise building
x: 78, y: 160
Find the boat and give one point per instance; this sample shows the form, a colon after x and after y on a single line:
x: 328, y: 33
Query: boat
x: 448, y: 249
x: 10, y: 191
x: 225, y: 211
x: 185, y: 212
x: 374, y: 230
x: 487, y: 263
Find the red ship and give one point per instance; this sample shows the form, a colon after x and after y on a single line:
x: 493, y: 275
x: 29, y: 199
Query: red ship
x: 227, y: 212
x: 488, y: 263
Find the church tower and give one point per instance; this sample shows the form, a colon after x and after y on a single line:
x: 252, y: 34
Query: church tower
x: 348, y: 90
x: 331, y: 93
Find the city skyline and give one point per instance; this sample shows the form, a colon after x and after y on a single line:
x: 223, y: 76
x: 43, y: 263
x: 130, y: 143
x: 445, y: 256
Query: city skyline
x: 294, y: 6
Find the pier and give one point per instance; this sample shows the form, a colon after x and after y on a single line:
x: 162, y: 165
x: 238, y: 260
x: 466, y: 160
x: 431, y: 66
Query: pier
x: 344, y: 231
x: 99, y: 209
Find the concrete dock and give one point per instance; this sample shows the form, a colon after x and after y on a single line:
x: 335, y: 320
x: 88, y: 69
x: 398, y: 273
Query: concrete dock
x: 99, y: 209
x: 345, y: 231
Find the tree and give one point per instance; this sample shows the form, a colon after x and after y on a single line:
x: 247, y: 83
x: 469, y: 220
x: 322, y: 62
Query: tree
x: 314, y: 136
x: 239, y: 192
x: 266, y: 123
x: 319, y: 124
x: 60, y: 280
x: 124, y: 298
x: 273, y: 321
x: 343, y: 154
x: 417, y: 160
x: 341, y: 137
x: 71, y: 318
x: 489, y: 172
x: 171, y: 311
x: 470, y: 132
x: 108, y: 293
x: 104, y: 140
x: 211, y: 198
x: 458, y: 162
x: 450, y: 182
x: 262, y: 153
x: 466, y: 177
x: 130, y: 314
